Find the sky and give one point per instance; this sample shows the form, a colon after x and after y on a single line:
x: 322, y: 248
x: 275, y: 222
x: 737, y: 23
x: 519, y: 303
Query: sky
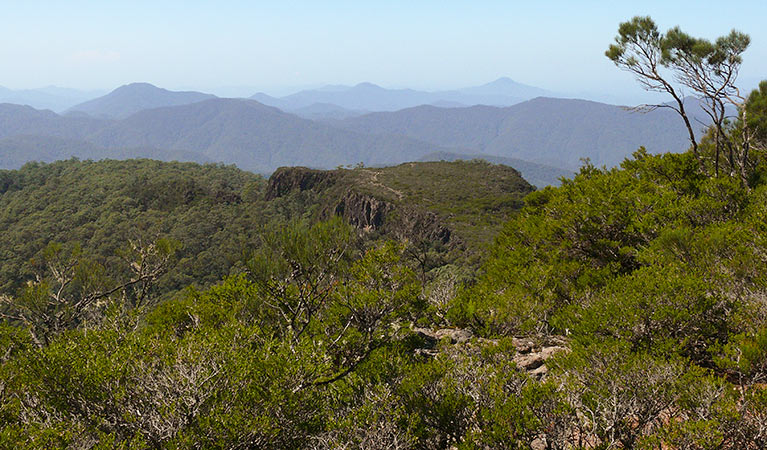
x: 229, y: 47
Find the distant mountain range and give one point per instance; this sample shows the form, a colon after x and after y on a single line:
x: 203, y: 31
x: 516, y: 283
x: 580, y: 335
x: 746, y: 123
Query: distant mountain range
x: 17, y: 150
x: 366, y: 97
x: 255, y: 137
x: 52, y: 97
x: 244, y: 132
x: 18, y: 120
x: 552, y: 131
x: 135, y: 97
x: 544, y: 138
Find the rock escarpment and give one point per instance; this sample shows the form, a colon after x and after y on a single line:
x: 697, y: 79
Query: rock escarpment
x: 362, y: 211
x: 345, y: 196
x: 290, y: 179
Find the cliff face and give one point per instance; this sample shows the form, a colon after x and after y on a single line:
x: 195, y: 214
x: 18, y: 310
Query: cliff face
x: 461, y: 203
x: 404, y: 222
x: 290, y: 179
x: 422, y: 226
x: 362, y: 210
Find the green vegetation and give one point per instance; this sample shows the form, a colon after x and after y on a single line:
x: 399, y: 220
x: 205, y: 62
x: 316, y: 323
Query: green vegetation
x: 552, y: 131
x: 709, y: 70
x: 475, y: 204
x: 649, y: 274
x: 183, y: 308
x: 538, y: 175
x: 177, y: 306
x: 213, y: 211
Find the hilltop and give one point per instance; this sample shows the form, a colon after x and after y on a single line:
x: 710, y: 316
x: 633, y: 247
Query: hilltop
x: 539, y: 175
x: 135, y: 97
x: 211, y: 209
x: 52, y: 97
x: 255, y: 137
x: 24, y: 120
x: 459, y: 201
x: 244, y: 132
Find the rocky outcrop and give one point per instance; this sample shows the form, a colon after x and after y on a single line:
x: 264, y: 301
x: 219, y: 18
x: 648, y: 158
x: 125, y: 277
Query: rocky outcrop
x: 531, y: 356
x: 289, y: 179
x: 359, y: 208
x: 363, y: 211
x: 370, y: 213
x: 430, y: 339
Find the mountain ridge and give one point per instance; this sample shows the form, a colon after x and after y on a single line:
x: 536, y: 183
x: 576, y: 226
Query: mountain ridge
x: 134, y: 97
x: 368, y: 96
x: 54, y: 98
x: 552, y: 131
x: 539, y: 175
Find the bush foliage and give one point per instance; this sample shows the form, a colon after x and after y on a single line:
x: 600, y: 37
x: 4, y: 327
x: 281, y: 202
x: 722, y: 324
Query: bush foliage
x: 306, y: 333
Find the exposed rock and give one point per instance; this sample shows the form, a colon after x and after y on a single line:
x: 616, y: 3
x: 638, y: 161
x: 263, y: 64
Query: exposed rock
x: 368, y: 212
x: 358, y: 207
x: 363, y: 211
x: 427, y: 352
x: 540, y: 372
x: 456, y: 335
x: 421, y: 225
x: 288, y: 179
x: 429, y: 338
x: 531, y: 356
x: 534, y: 359
x: 523, y: 345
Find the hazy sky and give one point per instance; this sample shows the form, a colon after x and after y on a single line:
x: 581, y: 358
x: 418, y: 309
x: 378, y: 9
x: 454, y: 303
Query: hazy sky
x: 280, y: 45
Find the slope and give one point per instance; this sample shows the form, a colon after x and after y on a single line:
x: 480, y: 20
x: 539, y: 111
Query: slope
x: 25, y: 120
x: 557, y: 132
x: 255, y: 137
x: 131, y: 98
x: 459, y: 202
x: 51, y: 97
x: 539, y: 175
x: 217, y: 212
x: 18, y: 150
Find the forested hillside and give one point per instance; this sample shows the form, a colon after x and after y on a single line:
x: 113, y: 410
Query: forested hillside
x: 470, y: 199
x: 102, y: 207
x: 539, y: 175
x: 216, y: 213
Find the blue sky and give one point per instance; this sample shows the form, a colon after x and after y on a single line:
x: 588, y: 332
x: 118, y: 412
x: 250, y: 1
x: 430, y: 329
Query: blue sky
x: 277, y: 46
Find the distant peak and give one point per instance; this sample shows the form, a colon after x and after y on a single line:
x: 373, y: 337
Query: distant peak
x: 137, y: 87
x: 140, y: 84
x: 503, y: 80
x: 366, y: 85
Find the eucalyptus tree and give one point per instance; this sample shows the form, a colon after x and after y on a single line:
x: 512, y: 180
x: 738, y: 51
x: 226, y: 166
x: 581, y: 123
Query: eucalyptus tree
x: 674, y: 61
